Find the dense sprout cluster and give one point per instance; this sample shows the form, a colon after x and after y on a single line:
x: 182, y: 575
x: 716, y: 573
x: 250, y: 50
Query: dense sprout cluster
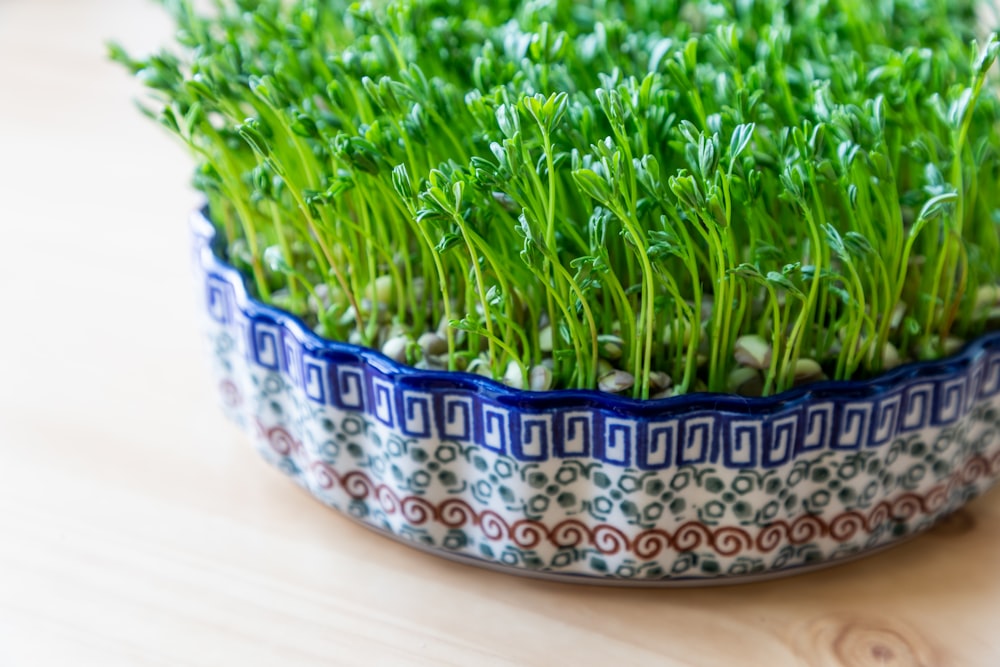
x: 650, y: 197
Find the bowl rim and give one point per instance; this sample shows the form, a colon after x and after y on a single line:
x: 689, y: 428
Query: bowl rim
x: 210, y: 240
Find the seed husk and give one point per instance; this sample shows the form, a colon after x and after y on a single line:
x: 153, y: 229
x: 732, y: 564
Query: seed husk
x: 616, y: 381
x: 745, y: 381
x: 610, y: 347
x: 480, y: 366
x: 660, y: 381
x: 752, y: 351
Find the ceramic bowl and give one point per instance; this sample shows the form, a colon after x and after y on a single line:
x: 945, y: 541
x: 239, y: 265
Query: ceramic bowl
x: 702, y: 488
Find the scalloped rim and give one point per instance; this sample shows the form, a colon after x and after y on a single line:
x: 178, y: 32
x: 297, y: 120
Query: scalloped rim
x: 576, y: 398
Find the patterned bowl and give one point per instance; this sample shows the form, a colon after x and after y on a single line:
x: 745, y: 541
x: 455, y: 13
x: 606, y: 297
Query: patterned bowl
x: 587, y: 486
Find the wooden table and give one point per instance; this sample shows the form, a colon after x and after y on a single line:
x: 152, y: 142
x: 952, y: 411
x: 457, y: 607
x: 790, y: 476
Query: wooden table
x: 137, y: 526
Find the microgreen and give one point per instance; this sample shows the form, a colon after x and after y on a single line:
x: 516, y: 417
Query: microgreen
x: 650, y: 198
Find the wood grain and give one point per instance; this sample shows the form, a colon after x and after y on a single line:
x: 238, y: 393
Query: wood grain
x: 138, y: 528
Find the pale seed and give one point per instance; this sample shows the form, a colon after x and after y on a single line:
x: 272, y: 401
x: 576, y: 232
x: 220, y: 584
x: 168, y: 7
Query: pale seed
x: 707, y: 306
x: 807, y: 370
x: 514, y: 375
x: 898, y: 313
x: 417, y: 286
x: 443, y: 326
x: 321, y: 300
x: 381, y: 290
x: 545, y: 339
x: 431, y: 343
x: 987, y: 296
x: 395, y: 348
x: 348, y: 317
x: 890, y: 357
x: 430, y: 364
x: 540, y: 378
x: 684, y: 335
x: 952, y: 345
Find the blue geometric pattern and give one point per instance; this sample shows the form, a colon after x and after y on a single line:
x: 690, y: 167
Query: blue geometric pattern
x: 724, y: 432
x: 598, y: 485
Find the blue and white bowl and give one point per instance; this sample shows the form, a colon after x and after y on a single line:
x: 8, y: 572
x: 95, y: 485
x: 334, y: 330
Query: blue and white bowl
x: 592, y: 487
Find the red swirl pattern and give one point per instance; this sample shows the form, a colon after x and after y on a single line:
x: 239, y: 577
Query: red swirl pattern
x: 280, y: 440
x: 456, y: 513
x: 231, y: 396
x: 527, y: 534
x: 908, y: 506
x: 936, y: 498
x: 770, y: 536
x: 417, y: 510
x: 806, y: 528
x: 570, y: 533
x: 691, y: 535
x: 324, y: 475
x: 387, y: 500
x: 724, y: 540
x: 845, y: 526
x: 609, y: 539
x: 730, y: 541
x: 492, y: 524
x: 882, y: 512
x: 649, y: 543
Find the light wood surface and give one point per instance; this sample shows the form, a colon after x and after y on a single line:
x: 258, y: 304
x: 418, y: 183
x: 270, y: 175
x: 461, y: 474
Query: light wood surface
x: 137, y: 527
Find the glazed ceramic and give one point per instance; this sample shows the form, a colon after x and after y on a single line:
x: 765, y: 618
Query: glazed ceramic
x: 695, y: 489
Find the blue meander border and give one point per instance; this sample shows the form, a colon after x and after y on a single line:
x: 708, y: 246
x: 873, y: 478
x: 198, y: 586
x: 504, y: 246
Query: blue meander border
x: 725, y: 430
